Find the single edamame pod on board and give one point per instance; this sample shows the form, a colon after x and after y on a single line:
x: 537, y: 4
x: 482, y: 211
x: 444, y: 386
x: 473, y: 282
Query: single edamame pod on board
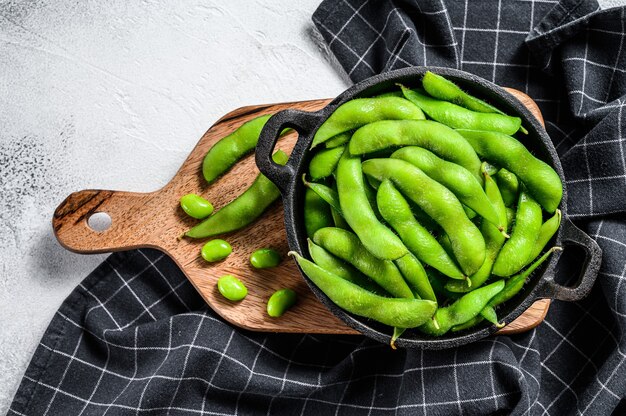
x: 358, y: 213
x: 396, y: 211
x: 316, y: 212
x: 338, y: 140
x: 508, y: 185
x: 462, y: 310
x: 332, y: 264
x: 348, y: 247
x: 439, y: 139
x: 416, y: 276
x: 547, y: 230
x: 265, y: 258
x: 244, y: 209
x: 458, y: 117
x: 516, y: 251
x: 360, y: 111
x: 227, y: 151
x: 494, y: 239
x: 216, y: 250
x: 280, y: 302
x: 231, y: 288
x: 454, y: 177
x: 195, y: 206
x: 542, y: 182
x: 439, y: 203
x: 324, y: 162
x: 402, y: 313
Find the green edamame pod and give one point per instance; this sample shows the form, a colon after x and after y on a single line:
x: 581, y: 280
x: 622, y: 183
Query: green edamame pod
x: 397, y: 212
x: 494, y: 239
x: 518, y: 248
x: 324, y: 162
x: 338, y: 140
x: 515, y: 283
x: 458, y: 117
x: 469, y: 324
x: 360, y: 111
x: 439, y: 139
x: 439, y: 203
x: 244, y: 209
x: 348, y: 247
x: 330, y: 263
x: 358, y: 213
x: 443, y: 89
x: 508, y: 185
x: 542, y: 182
x: 454, y: 177
x: 438, y: 283
x: 489, y: 313
x: 416, y: 276
x: 397, y: 332
x: 195, y: 206
x: 510, y: 217
x: 227, y: 151
x: 462, y: 310
x: 547, y: 230
x: 338, y: 220
x: 316, y: 212
x: 401, y: 313
x: 397, y: 93
x: 327, y: 193
x: 280, y: 301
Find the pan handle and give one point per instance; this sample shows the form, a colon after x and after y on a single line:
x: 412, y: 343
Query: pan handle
x: 572, y: 235
x: 305, y: 123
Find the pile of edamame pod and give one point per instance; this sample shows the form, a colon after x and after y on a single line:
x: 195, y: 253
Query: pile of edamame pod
x: 422, y: 209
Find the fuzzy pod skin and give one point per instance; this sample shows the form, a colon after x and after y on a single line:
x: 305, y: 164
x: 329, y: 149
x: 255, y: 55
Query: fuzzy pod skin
x: 439, y: 203
x: 358, y: 213
x: 509, y: 186
x: 402, y: 313
x: 396, y: 211
x: 542, y: 182
x: 316, y: 212
x: 244, y: 209
x: 360, y: 111
x: 458, y: 117
x: 454, y: 177
x: 226, y: 152
x: 328, y: 262
x: 547, y: 230
x: 439, y: 139
x: 493, y: 239
x: 516, y: 251
x: 462, y: 310
x: 324, y: 162
x: 347, y: 246
x: 416, y: 277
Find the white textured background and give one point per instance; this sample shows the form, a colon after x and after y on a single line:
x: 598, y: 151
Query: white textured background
x: 114, y: 95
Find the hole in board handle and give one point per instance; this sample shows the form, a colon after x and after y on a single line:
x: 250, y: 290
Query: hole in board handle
x: 99, y: 221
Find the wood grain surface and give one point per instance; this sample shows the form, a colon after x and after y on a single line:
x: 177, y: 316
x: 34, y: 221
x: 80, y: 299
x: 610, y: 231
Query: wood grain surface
x: 155, y: 220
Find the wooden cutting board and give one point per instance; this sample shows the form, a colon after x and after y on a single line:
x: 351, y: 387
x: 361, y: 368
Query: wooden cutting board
x: 155, y: 220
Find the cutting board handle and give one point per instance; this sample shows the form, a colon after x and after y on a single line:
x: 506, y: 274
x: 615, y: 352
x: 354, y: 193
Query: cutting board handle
x: 74, y: 232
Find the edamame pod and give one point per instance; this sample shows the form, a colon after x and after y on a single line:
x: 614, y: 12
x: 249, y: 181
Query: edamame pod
x: 348, y: 247
x: 397, y: 212
x: 416, y: 276
x: 508, y: 185
x: 360, y: 111
x: 454, y: 177
x: 462, y: 310
x: 493, y: 239
x: 227, y: 151
x: 402, y: 313
x: 547, y: 230
x: 439, y: 203
x: 518, y: 248
x: 327, y: 193
x: 244, y: 209
x: 328, y: 262
x: 338, y: 140
x: 458, y: 117
x: 443, y: 89
x: 439, y: 139
x: 316, y: 212
x: 542, y: 182
x: 324, y: 162
x: 358, y: 213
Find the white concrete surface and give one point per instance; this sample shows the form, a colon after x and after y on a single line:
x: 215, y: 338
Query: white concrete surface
x: 114, y: 95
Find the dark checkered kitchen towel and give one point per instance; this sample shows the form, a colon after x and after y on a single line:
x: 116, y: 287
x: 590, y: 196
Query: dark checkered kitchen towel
x: 135, y: 339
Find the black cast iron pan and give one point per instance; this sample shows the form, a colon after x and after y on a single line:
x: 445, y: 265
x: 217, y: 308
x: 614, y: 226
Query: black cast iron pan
x: 287, y: 178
